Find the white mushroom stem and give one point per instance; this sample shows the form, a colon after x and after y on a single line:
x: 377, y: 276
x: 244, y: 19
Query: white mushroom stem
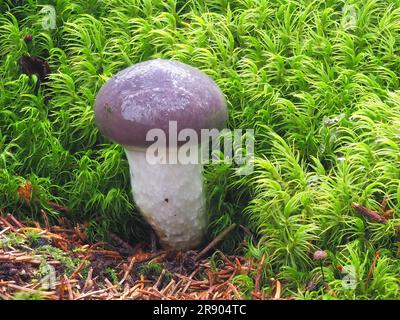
x: 170, y: 197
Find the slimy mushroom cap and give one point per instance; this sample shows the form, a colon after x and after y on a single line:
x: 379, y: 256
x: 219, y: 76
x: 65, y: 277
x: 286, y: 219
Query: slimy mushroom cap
x: 149, y: 94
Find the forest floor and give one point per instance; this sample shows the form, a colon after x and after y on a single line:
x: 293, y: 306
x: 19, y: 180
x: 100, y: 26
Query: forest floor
x: 57, y: 263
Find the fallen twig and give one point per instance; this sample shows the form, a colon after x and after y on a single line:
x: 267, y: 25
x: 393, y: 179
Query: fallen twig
x: 45, y: 218
x: 277, y: 290
x: 373, y: 215
x: 159, y: 279
x: 127, y: 248
x: 371, y: 270
x: 58, y: 207
x: 86, y: 295
x: 259, y: 273
x: 15, y: 220
x: 77, y: 270
x: 89, y: 282
x: 128, y: 270
x: 215, y: 241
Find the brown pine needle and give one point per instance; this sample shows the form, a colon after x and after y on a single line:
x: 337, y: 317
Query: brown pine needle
x: 371, y: 270
x: 259, y: 273
x: 77, y: 270
x: 370, y: 214
x: 215, y: 241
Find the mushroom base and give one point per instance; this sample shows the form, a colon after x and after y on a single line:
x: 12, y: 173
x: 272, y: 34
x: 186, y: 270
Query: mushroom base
x: 170, y: 197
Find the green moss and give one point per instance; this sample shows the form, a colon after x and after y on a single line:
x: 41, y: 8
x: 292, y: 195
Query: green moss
x: 245, y: 284
x: 70, y: 263
x: 317, y: 81
x: 150, y: 268
x: 153, y: 270
x: 22, y: 295
x: 110, y: 272
x: 11, y: 240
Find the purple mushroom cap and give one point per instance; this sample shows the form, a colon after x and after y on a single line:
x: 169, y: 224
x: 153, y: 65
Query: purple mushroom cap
x: 320, y: 255
x: 149, y: 94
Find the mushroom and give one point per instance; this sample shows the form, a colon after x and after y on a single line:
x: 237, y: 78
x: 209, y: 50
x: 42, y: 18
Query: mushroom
x: 320, y: 255
x: 152, y: 95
